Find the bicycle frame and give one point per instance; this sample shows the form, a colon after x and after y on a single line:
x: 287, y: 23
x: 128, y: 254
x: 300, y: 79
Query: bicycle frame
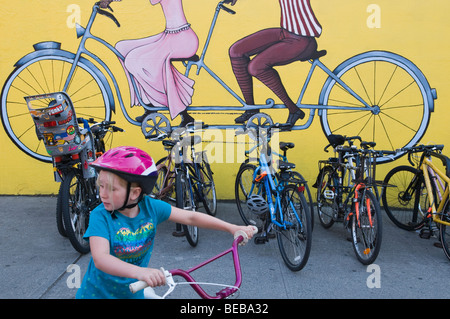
x: 272, y: 188
x: 85, y: 34
x: 427, y: 163
x: 186, y: 274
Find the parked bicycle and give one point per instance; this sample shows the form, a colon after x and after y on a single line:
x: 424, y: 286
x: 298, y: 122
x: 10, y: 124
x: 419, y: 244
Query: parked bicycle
x: 418, y: 198
x: 185, y: 175
x: 367, y: 90
x: 72, y: 149
x: 240, y: 238
x: 346, y: 189
x: 274, y: 202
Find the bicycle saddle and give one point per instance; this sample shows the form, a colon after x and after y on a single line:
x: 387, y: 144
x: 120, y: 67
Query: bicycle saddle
x: 315, y: 55
x: 194, y: 58
x: 285, y: 146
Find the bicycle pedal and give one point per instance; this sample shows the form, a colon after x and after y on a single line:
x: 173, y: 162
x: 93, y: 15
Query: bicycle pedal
x: 425, y: 233
x: 260, y: 240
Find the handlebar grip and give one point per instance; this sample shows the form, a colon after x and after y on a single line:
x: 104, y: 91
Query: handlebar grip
x: 137, y: 286
x: 228, y: 9
x: 244, y: 235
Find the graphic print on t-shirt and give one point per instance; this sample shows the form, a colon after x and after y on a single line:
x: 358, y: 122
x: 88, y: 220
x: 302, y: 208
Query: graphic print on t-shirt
x: 131, y: 246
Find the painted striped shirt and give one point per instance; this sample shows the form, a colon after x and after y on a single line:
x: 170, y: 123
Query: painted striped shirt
x: 298, y: 17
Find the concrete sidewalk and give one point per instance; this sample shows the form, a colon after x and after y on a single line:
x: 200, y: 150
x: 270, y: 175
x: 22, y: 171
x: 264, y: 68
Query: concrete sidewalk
x: 35, y: 259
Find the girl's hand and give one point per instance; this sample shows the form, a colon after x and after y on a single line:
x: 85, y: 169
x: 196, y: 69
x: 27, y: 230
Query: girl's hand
x: 153, y: 277
x: 248, y: 230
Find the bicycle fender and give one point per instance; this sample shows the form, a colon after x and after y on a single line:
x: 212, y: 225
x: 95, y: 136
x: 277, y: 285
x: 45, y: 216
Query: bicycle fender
x: 51, y: 48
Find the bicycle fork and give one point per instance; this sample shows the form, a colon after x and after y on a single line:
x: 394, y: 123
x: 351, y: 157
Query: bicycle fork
x: 356, y: 201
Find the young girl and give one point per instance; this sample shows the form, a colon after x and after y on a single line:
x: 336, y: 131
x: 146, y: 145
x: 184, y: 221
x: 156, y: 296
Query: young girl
x: 122, y: 229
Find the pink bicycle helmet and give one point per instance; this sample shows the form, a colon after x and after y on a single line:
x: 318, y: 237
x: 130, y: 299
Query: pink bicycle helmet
x: 130, y: 163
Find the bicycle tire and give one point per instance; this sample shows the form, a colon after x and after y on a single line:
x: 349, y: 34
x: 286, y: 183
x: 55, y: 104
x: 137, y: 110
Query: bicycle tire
x: 208, y: 188
x: 407, y: 210
x: 390, y: 84
x: 295, y: 241
x: 59, y: 217
x: 74, y: 198
x: 47, y: 74
x: 444, y: 230
x: 326, y: 207
x: 242, y: 191
x: 184, y: 201
x: 309, y: 198
x: 366, y: 236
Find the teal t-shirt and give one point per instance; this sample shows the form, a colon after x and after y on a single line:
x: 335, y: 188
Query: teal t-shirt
x: 130, y: 239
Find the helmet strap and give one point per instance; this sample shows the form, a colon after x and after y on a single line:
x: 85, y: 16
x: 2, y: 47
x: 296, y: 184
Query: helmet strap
x: 125, y: 206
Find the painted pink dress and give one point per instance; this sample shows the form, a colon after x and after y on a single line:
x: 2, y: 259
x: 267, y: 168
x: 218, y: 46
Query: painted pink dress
x: 148, y: 60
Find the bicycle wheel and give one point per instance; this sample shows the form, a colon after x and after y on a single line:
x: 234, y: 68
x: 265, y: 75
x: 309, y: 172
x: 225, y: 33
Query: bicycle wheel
x: 295, y: 241
x: 47, y: 74
x: 185, y: 201
x: 59, y: 217
x: 367, y: 228
x: 244, y: 186
x: 309, y: 200
x: 397, y: 92
x: 207, y: 187
x: 444, y: 230
x: 404, y: 197
x: 78, y: 197
x: 327, y: 197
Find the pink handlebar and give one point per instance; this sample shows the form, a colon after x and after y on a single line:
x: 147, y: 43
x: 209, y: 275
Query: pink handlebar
x: 240, y: 237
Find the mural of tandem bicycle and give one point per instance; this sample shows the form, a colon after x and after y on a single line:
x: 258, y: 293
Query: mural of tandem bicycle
x: 366, y: 95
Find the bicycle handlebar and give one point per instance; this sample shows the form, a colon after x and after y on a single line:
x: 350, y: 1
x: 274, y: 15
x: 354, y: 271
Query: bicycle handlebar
x: 240, y: 238
x: 106, y: 13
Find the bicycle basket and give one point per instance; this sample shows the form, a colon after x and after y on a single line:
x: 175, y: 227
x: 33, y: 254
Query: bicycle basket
x: 56, y: 124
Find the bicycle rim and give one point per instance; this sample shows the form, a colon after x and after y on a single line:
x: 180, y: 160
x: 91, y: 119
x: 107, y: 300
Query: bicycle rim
x: 444, y: 231
x: 367, y: 230
x: 398, y: 93
x: 185, y: 201
x: 244, y: 187
x: 294, y: 242
x: 206, y: 188
x: 326, y: 197
x: 47, y: 74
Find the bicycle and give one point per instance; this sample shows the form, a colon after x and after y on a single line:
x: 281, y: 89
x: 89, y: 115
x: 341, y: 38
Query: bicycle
x: 278, y: 204
x: 346, y: 190
x: 367, y: 90
x: 190, y: 177
x: 427, y: 189
x: 404, y: 196
x: 295, y: 176
x: 240, y: 238
x: 72, y: 149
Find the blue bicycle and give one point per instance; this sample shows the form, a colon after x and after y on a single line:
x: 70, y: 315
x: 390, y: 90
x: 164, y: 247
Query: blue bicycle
x: 275, y: 203
x: 367, y: 95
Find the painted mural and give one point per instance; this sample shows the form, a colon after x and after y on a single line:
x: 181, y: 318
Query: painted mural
x: 312, y: 67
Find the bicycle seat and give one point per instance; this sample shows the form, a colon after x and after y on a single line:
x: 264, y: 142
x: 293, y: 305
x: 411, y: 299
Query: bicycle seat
x: 285, y: 165
x: 285, y: 146
x: 315, y: 55
x: 194, y: 58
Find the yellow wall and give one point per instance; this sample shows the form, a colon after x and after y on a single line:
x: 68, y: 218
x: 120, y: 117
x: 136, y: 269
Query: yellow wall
x: 415, y: 29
